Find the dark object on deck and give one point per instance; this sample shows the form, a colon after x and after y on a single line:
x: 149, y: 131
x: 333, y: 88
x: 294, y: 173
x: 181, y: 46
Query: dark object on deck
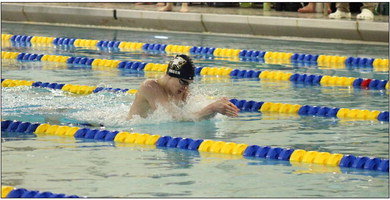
x: 287, y: 6
x: 223, y: 4
x: 383, y: 8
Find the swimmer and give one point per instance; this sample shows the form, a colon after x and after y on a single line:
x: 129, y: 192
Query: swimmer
x: 171, y: 92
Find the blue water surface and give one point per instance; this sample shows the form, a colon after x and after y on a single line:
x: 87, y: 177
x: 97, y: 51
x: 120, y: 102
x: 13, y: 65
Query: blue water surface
x: 109, y: 169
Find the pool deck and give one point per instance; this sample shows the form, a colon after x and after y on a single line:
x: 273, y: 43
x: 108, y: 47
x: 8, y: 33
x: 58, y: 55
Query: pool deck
x: 201, y: 19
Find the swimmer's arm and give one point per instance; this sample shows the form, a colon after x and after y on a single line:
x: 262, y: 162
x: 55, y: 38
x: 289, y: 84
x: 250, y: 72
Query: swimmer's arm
x: 206, y: 113
x: 223, y: 106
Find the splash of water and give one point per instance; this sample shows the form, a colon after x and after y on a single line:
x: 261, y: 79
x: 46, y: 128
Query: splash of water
x: 102, y: 108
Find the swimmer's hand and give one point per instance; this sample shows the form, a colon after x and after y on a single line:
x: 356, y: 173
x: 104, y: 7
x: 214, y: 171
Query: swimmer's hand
x: 225, y: 107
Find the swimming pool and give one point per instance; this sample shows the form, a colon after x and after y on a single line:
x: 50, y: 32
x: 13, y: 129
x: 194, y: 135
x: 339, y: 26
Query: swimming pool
x: 108, y: 169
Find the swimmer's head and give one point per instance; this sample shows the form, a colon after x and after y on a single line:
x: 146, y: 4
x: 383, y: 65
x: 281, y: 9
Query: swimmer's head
x: 181, y: 67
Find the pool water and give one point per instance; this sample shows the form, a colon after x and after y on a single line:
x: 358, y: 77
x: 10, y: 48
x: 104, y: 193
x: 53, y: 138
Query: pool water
x: 109, y: 169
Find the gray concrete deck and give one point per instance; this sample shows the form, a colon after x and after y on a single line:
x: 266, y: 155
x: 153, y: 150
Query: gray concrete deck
x: 201, y: 19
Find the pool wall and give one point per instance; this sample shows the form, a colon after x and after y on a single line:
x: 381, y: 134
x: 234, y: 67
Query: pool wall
x: 251, y: 25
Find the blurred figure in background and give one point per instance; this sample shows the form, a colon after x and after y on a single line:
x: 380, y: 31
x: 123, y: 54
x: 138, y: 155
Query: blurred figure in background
x: 367, y: 11
x: 169, y: 7
x: 311, y: 8
x: 143, y: 3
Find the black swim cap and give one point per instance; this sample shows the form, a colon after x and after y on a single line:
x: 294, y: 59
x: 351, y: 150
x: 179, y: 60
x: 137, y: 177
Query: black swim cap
x: 181, y: 67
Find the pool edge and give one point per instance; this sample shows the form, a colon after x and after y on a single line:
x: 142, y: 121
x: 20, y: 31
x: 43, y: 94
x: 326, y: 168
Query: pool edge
x: 200, y: 23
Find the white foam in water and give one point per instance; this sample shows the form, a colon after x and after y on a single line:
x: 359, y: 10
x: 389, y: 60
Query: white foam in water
x: 45, y: 101
x: 108, y: 116
x: 105, y: 108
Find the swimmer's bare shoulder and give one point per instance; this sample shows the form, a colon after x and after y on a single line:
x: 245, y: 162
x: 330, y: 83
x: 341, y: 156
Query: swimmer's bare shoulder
x: 145, y: 98
x: 151, y: 90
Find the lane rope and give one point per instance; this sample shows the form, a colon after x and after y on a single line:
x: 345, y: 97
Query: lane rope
x: 204, y: 145
x: 306, y: 79
x: 245, y: 55
x: 11, y: 192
